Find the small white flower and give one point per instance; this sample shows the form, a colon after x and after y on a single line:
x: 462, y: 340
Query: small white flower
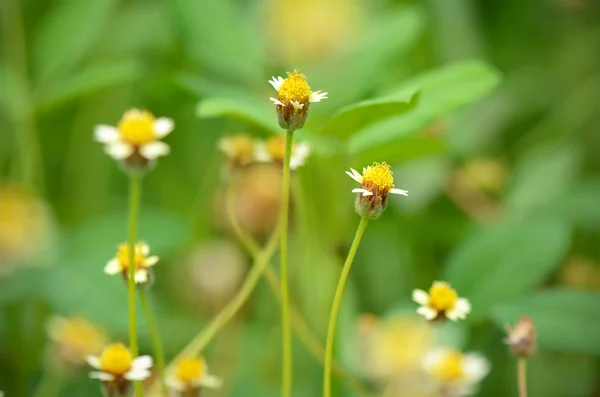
x: 442, y: 301
x: 116, y: 362
x: 454, y: 373
x: 143, y: 262
x: 273, y: 150
x: 191, y: 373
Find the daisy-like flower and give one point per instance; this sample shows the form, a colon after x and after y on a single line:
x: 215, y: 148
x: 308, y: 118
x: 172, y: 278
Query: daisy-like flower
x: 73, y: 340
x: 273, y: 150
x: 136, y: 138
x: 239, y: 149
x: 143, y: 263
x: 522, y: 338
x: 189, y: 375
x: 293, y: 98
x: 453, y: 373
x: 376, y: 182
x: 441, y: 302
x: 117, y: 368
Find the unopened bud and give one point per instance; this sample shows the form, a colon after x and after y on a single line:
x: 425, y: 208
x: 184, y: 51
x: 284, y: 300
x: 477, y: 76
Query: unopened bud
x: 522, y: 338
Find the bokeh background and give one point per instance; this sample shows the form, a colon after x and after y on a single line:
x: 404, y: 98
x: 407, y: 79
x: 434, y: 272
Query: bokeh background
x: 499, y: 153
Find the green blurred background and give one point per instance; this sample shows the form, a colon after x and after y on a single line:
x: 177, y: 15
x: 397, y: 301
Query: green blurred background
x: 499, y: 153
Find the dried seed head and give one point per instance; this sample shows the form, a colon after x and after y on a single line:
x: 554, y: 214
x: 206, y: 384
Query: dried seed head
x: 522, y: 338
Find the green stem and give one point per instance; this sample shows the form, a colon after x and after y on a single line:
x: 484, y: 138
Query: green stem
x: 135, y: 196
x: 50, y: 384
x: 286, y: 385
x: 336, y: 306
x: 522, y: 376
x: 157, y: 345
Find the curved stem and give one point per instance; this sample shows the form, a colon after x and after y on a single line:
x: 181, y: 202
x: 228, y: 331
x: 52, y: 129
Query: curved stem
x: 522, y: 376
x: 156, y: 339
x: 135, y: 195
x: 286, y: 385
x: 336, y: 306
x: 50, y: 384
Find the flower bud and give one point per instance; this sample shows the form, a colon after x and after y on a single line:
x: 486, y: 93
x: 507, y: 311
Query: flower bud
x: 522, y: 338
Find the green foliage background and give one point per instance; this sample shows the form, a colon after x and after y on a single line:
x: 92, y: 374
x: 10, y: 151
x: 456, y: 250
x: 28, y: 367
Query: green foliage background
x: 430, y: 87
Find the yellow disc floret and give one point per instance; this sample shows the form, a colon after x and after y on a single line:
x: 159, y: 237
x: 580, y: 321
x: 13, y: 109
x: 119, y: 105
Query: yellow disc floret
x: 189, y: 369
x: 137, y: 127
x: 123, y: 256
x: 450, y: 368
x: 116, y: 359
x: 442, y: 297
x: 242, y: 147
x: 379, y: 176
x: 294, y: 88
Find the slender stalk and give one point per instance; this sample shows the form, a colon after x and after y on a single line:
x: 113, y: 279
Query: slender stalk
x: 522, y: 376
x: 336, y: 306
x: 50, y: 384
x: 157, y: 345
x: 286, y: 384
x: 135, y: 196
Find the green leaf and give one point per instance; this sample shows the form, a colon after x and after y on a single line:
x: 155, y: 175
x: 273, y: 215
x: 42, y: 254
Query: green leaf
x: 362, y: 114
x: 504, y: 261
x: 442, y: 92
x: 401, y: 150
x: 66, y: 33
x: 565, y: 320
x: 245, y: 109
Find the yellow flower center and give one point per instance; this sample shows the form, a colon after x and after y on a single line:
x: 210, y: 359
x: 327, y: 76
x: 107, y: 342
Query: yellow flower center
x: 276, y: 147
x: 189, y: 369
x: 81, y: 336
x: 294, y: 88
x: 378, y: 176
x: 450, y: 367
x: 116, y: 359
x: 137, y: 127
x: 442, y: 297
x: 123, y: 256
x: 242, y: 147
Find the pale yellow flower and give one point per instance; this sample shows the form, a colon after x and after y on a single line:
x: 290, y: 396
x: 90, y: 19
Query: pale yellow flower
x: 441, y: 302
x: 453, y: 373
x: 143, y: 262
x: 273, y: 150
x: 191, y: 373
x: 239, y: 149
x: 74, y: 338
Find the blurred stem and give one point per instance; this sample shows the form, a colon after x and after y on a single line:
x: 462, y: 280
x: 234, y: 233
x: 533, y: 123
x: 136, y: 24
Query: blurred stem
x: 135, y: 196
x: 522, y: 376
x: 336, y: 306
x: 50, y: 385
x: 286, y: 385
x: 157, y: 345
x: 299, y: 324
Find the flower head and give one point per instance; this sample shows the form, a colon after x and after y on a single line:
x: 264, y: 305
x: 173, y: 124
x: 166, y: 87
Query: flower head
x: 136, y: 138
x: 117, y: 367
x: 522, y: 338
x: 454, y: 373
x: 273, y: 150
x: 239, y: 149
x: 376, y: 182
x: 189, y: 374
x: 293, y: 98
x: 143, y: 263
x: 73, y: 339
x: 441, y: 302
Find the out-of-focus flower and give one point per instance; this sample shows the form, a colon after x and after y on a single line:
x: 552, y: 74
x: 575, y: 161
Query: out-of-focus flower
x: 189, y: 375
x: 453, y: 373
x: 239, y: 149
x: 486, y: 174
x: 522, y: 338
x: 136, y: 138
x: 273, y: 150
x: 376, y: 183
x: 582, y: 273
x: 25, y: 229
x: 441, y: 302
x: 117, y: 368
x: 143, y: 263
x: 293, y: 98
x: 73, y: 340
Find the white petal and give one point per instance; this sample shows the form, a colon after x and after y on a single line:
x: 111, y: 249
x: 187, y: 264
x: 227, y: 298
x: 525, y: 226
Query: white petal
x: 154, y: 150
x: 143, y: 248
x: 163, y: 126
x: 142, y: 362
x: 140, y: 276
x: 106, y: 133
x: 175, y: 383
x: 113, y: 267
x: 276, y: 82
x: 460, y: 310
x: 261, y: 154
x: 151, y: 261
x: 355, y: 175
x: 399, y: 191
x: 297, y: 105
x: 277, y: 102
x: 299, y: 155
x: 118, y: 150
x: 211, y: 381
x: 476, y: 367
x: 137, y: 374
x: 433, y: 358
x: 428, y: 312
x: 363, y: 191
x: 104, y: 376
x: 420, y: 296
x: 93, y: 361
x: 317, y: 96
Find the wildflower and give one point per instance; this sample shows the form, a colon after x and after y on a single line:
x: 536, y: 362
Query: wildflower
x: 135, y: 139
x: 441, y: 302
x: 522, y: 338
x: 117, y: 368
x: 73, y: 340
x: 377, y: 181
x: 189, y: 375
x: 273, y: 150
x: 293, y: 98
x: 453, y: 373
x: 239, y: 149
x: 143, y: 263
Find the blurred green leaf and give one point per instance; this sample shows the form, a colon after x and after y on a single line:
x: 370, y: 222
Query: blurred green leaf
x: 401, y: 150
x: 579, y: 204
x: 443, y: 91
x: 503, y: 261
x: 565, y: 320
x: 355, y: 117
x: 244, y: 109
x: 66, y: 33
